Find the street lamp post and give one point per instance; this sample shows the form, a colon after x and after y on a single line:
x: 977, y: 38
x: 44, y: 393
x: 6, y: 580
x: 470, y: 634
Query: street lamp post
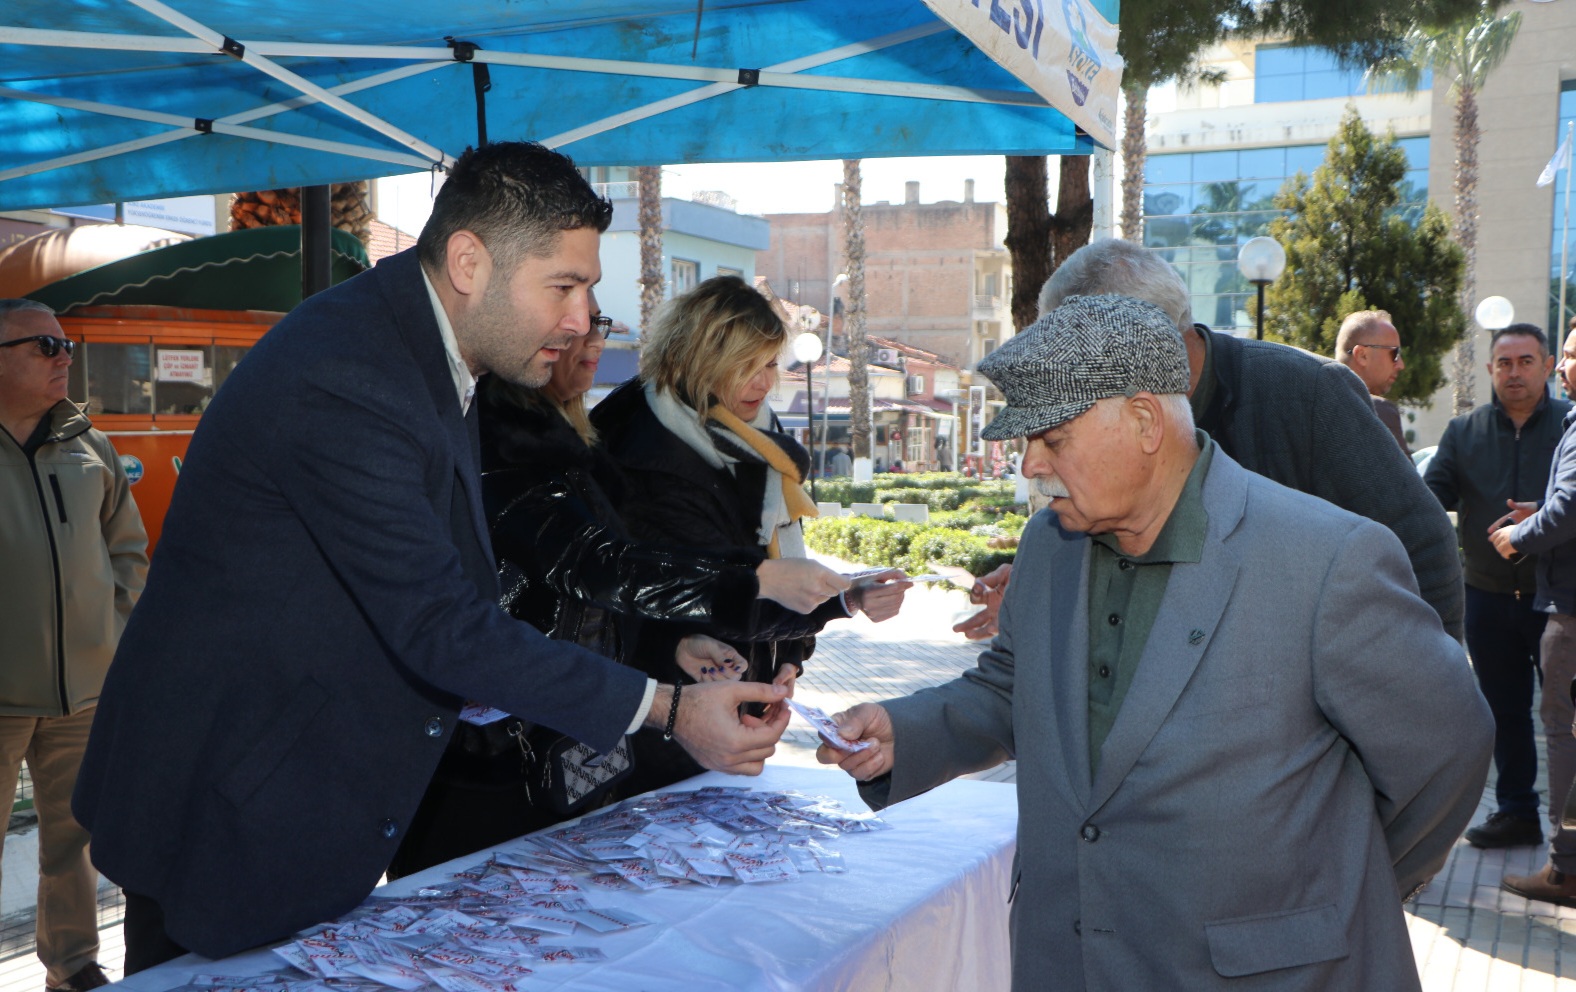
x: 807, y: 348
x: 826, y: 404
x: 1494, y: 312
x: 1261, y: 261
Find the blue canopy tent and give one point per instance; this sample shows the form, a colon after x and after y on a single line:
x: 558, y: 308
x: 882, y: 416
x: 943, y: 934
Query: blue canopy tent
x: 106, y: 100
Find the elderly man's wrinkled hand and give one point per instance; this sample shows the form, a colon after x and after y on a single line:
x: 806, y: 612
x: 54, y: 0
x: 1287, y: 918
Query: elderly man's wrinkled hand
x: 864, y: 722
x: 987, y: 591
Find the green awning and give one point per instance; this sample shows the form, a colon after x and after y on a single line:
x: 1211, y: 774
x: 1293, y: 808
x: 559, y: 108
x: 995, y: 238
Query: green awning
x: 255, y: 269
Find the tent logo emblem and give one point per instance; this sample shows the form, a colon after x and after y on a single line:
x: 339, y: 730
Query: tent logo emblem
x: 1083, y: 63
x: 133, y: 467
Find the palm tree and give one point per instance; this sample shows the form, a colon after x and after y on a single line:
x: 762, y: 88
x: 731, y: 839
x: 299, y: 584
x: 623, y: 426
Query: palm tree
x: 1465, y: 52
x: 650, y: 179
x: 854, y: 316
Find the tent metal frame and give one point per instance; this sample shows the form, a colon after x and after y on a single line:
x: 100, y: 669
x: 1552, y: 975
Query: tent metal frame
x: 419, y: 154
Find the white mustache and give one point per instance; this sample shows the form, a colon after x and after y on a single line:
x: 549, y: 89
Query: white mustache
x: 1051, y: 488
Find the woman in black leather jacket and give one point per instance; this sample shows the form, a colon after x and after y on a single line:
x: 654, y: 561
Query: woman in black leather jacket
x: 567, y: 567
x: 706, y: 464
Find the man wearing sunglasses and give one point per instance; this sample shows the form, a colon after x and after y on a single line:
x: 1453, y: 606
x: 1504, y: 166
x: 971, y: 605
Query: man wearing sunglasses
x: 1369, y: 345
x: 74, y: 557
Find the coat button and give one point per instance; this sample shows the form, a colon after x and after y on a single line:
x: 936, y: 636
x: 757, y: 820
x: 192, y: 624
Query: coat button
x: 389, y: 829
x: 1090, y: 832
x: 434, y: 727
x: 1078, y: 927
x: 1105, y: 671
x: 1113, y: 620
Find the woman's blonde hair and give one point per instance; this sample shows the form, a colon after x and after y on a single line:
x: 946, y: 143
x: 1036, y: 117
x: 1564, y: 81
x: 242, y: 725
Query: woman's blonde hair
x: 525, y: 398
x: 706, y: 344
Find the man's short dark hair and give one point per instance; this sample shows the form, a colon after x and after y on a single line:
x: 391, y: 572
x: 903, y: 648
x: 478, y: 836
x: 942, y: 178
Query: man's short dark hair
x: 517, y: 196
x: 1522, y: 330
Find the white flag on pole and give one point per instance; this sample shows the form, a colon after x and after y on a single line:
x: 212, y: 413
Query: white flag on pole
x: 1561, y: 160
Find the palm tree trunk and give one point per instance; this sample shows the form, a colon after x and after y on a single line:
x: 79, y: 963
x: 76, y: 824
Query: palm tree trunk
x: 1073, y: 221
x: 1028, y: 237
x: 854, y: 315
x: 650, y: 179
x: 1133, y: 125
x: 1463, y: 372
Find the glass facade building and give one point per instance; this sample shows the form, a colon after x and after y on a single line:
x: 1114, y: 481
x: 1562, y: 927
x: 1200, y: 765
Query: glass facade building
x: 1201, y: 206
x: 1562, y: 179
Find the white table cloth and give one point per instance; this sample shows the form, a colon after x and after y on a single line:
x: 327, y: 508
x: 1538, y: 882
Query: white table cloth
x: 922, y: 906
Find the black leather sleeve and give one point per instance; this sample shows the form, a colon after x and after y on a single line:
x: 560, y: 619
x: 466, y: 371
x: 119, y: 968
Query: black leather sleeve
x: 553, y: 535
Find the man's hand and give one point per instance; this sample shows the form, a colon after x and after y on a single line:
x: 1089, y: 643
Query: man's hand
x: 881, y: 597
x: 800, y: 584
x: 865, y: 722
x: 712, y: 729
x: 1499, y: 530
x: 706, y: 659
x: 987, y: 590
x: 1518, y: 513
x: 787, y: 677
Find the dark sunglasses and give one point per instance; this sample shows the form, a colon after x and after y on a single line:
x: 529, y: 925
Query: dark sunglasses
x: 48, y: 345
x: 602, y: 325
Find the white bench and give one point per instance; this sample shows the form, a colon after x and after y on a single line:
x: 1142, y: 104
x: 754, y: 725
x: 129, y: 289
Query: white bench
x: 877, y: 510
x: 911, y: 513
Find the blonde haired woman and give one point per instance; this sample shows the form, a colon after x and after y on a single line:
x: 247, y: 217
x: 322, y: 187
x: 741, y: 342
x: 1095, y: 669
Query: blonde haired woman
x: 568, y: 568
x: 706, y: 465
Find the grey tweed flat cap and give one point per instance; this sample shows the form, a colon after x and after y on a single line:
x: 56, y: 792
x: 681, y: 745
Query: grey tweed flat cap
x: 1088, y: 348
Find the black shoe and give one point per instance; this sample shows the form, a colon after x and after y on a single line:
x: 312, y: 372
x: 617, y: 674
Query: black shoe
x: 1506, y: 830
x: 89, y: 976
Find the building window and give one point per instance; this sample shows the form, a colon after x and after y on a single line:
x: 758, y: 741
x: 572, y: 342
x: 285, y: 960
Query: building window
x: 1561, y: 179
x: 1300, y: 72
x: 1200, y: 207
x: 685, y: 275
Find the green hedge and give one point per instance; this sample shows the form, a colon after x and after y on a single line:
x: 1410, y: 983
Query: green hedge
x: 911, y: 547
x: 940, y: 490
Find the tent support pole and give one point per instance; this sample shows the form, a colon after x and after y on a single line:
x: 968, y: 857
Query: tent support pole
x: 316, y: 257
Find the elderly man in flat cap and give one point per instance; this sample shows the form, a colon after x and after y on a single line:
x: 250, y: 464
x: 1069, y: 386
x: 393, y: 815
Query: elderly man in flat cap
x: 1242, y: 736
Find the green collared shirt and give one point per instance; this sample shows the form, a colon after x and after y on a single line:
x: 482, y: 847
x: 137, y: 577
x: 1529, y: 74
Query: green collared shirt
x: 1124, y: 597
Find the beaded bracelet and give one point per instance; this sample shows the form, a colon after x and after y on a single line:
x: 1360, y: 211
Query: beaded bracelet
x: 673, y: 712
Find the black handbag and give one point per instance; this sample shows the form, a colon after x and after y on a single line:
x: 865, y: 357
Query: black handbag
x: 558, y: 773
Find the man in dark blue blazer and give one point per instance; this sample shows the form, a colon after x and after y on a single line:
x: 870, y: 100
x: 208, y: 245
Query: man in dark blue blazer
x: 323, y: 602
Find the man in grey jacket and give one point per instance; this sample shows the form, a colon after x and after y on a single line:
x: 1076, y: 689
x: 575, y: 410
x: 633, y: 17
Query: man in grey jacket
x: 1302, y: 420
x: 1549, y: 532
x: 1231, y: 769
x: 75, y: 556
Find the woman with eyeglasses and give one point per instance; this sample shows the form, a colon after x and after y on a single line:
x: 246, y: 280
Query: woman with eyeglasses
x: 568, y: 567
x: 707, y: 464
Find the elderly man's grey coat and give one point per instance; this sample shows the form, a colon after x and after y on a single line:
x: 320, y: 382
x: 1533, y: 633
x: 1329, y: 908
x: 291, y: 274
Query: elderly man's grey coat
x: 1301, y: 744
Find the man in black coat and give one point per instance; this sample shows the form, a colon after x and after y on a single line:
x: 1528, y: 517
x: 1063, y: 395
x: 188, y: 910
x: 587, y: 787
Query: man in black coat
x: 323, y: 601
x: 1299, y: 419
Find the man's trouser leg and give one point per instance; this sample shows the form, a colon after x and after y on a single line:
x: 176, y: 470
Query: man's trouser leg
x: 67, y: 883
x: 1557, y: 713
x: 1502, y: 637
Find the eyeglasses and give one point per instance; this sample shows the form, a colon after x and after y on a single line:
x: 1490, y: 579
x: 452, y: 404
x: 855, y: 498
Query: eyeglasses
x: 602, y: 325
x: 1393, y: 349
x: 48, y: 345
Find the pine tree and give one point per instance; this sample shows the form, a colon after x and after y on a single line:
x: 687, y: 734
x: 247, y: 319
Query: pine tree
x: 1349, y: 247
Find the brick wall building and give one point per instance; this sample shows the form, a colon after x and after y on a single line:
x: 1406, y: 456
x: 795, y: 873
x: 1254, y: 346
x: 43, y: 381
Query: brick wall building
x: 937, y: 276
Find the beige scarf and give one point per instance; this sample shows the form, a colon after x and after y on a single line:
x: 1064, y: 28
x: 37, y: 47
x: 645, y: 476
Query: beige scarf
x: 795, y: 499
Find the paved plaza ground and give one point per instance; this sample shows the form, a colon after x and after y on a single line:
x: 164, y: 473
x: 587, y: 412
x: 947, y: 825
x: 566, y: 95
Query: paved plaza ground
x: 1469, y: 935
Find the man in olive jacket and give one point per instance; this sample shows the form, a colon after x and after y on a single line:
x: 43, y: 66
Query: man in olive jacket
x: 74, y: 556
